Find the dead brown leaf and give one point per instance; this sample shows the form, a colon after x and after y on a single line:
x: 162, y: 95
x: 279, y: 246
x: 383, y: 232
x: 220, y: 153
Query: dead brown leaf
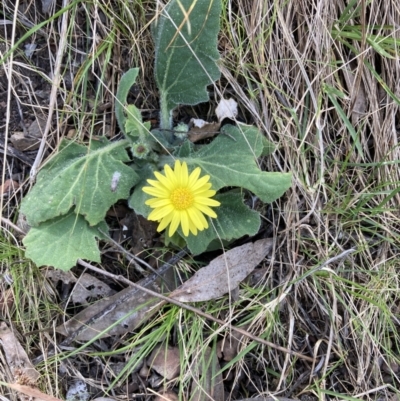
x: 133, y: 312
x: 20, y: 365
x: 86, y: 286
x: 8, y: 188
x: 228, y: 348
x: 165, y: 361
x: 24, y: 143
x: 32, y: 392
x: 202, y: 130
x: 357, y: 94
x: 224, y: 273
x: 166, y: 396
x: 6, y: 301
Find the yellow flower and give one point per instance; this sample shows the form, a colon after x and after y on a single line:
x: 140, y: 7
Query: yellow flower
x: 180, y: 198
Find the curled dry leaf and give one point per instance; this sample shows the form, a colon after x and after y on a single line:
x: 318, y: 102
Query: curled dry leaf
x: 227, y: 108
x: 201, y: 129
x: 224, y: 273
x: 165, y: 361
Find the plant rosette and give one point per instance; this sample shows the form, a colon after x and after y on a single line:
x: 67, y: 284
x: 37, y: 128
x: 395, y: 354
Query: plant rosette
x: 194, y: 191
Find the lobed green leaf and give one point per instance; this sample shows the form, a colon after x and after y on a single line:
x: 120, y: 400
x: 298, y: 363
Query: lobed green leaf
x: 91, y: 179
x: 60, y: 242
x: 234, y: 220
x: 185, y: 37
x: 230, y: 160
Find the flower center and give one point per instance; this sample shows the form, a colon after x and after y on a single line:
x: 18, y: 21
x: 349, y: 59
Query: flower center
x: 182, y: 198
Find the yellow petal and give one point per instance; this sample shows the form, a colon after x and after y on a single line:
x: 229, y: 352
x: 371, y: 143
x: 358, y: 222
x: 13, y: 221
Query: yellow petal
x: 158, y: 193
x: 206, y: 210
x: 194, y: 175
x: 156, y: 184
x: 164, y: 222
x: 176, y: 219
x: 204, y: 188
x: 159, y: 213
x: 171, y: 176
x: 156, y: 202
x: 197, y: 218
x: 183, y: 176
x: 164, y: 180
x: 185, y: 223
x: 200, y: 183
x: 206, y: 201
x: 192, y: 227
x: 209, y: 193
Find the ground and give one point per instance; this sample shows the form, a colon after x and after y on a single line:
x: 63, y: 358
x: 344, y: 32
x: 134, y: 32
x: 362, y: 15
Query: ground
x: 319, y: 79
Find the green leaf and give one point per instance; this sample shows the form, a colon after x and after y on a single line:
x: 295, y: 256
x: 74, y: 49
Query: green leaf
x: 130, y: 124
x: 134, y: 127
x: 185, y: 38
x: 234, y: 220
x: 127, y: 80
x: 138, y: 197
x: 62, y: 241
x: 92, y: 179
x: 230, y: 160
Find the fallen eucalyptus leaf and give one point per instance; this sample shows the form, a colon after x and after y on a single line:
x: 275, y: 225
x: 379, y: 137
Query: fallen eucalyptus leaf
x: 88, y: 286
x: 123, y: 316
x: 224, y: 273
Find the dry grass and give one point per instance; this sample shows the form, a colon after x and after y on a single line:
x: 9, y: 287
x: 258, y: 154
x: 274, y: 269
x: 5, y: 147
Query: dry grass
x: 320, y: 78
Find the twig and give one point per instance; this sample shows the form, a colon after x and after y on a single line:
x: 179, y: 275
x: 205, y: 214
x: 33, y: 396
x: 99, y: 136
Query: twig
x: 137, y: 287
x: 12, y: 225
x: 128, y: 295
